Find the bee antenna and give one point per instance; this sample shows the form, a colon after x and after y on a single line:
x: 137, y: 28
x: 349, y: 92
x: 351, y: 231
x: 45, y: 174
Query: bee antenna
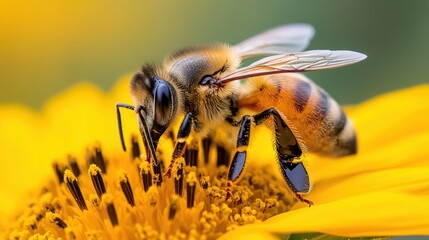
x: 147, y: 137
x: 118, y: 114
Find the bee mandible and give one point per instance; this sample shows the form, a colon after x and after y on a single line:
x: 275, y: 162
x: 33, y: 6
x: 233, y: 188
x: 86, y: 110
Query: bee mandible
x: 204, y: 84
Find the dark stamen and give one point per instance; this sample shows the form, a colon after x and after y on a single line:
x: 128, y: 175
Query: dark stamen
x: 39, y: 217
x: 55, y: 218
x: 207, y: 142
x: 97, y: 180
x: 31, y: 223
x: 99, y: 160
x: 174, y: 203
x: 74, y: 166
x: 223, y: 156
x: 135, y: 148
x: 126, y: 188
x: 111, y: 211
x: 178, y: 176
x: 59, y: 171
x: 49, y: 207
x: 73, y: 186
x: 145, y: 175
x: 191, y: 185
x: 191, y: 154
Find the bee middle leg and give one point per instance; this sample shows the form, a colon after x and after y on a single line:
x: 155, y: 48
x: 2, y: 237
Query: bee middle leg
x: 238, y: 162
x: 182, y: 135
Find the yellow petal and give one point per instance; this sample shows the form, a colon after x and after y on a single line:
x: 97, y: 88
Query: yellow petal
x: 372, y: 214
x: 68, y: 123
x: 407, y: 152
x: 18, y: 127
x: 391, y: 116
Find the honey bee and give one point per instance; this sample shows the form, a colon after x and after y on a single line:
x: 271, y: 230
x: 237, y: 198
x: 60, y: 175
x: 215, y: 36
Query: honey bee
x: 204, y: 85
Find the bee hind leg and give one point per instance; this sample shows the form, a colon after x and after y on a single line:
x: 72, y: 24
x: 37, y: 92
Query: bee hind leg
x: 182, y: 135
x: 288, y: 153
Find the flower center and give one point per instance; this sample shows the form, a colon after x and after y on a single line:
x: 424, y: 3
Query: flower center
x: 126, y: 199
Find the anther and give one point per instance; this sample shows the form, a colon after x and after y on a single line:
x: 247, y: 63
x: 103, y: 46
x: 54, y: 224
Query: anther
x: 126, y: 187
x: 178, y: 176
x: 157, y: 174
x: 152, y: 195
x: 191, y: 185
x: 107, y: 200
x: 73, y: 186
x: 47, y: 202
x: 70, y: 234
x: 39, y: 217
x: 55, y: 218
x: 94, y: 200
x: 145, y: 175
x: 97, y: 180
x: 74, y: 166
x: 205, y: 182
x: 30, y: 222
x: 174, y: 203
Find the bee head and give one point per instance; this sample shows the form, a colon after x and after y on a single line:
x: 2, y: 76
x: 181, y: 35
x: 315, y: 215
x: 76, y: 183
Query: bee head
x: 158, y: 99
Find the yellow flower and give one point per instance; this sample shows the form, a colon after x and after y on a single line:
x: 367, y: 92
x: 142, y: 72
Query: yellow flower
x: 381, y: 191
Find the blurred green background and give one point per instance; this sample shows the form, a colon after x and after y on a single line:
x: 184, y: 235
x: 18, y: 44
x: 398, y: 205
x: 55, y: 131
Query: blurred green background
x: 47, y: 46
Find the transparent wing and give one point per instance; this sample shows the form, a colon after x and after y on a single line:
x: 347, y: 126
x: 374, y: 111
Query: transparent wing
x: 295, y: 62
x: 284, y: 39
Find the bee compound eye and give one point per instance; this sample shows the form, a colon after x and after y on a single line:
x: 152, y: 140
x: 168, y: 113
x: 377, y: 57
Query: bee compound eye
x: 163, y: 98
x: 206, y: 80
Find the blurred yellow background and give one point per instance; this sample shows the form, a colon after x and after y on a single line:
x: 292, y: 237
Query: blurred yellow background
x: 47, y: 46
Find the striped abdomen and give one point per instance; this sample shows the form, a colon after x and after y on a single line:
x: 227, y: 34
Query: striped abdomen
x: 318, y: 120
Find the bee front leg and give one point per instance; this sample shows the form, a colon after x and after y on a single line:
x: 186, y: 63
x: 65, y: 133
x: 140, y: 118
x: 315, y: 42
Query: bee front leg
x: 288, y: 150
x: 238, y: 162
x: 182, y: 135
